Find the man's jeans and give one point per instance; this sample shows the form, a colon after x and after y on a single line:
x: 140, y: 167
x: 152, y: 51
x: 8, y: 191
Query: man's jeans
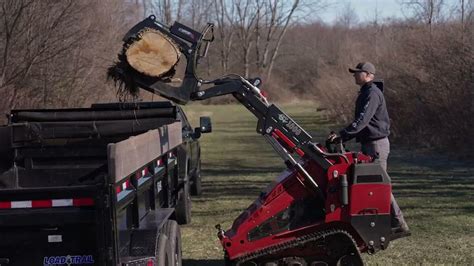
x: 379, y: 149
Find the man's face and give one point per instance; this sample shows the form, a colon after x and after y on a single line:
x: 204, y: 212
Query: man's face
x: 360, y: 77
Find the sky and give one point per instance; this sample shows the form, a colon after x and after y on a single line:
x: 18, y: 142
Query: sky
x: 364, y: 9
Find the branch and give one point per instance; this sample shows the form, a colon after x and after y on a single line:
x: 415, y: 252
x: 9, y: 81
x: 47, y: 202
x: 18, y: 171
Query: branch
x: 275, y: 51
x: 8, y: 37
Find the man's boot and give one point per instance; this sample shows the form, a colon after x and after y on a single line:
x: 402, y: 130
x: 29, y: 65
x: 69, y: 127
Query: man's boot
x: 399, y: 225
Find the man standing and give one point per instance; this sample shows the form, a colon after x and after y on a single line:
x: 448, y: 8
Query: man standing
x: 371, y: 127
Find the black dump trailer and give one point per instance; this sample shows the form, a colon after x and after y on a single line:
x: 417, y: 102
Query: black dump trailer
x: 91, y: 186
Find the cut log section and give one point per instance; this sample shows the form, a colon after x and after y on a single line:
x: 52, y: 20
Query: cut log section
x: 153, y: 54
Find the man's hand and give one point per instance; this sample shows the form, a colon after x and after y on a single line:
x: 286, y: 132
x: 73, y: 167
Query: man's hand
x: 333, y: 138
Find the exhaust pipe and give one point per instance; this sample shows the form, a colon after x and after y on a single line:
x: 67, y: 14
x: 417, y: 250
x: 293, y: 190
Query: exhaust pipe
x: 344, y: 190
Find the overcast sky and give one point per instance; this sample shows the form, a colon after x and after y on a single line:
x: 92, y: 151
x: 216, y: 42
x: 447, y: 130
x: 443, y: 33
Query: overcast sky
x: 364, y: 9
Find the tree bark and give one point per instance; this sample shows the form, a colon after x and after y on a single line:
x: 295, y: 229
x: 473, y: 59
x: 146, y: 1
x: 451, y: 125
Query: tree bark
x: 280, y: 38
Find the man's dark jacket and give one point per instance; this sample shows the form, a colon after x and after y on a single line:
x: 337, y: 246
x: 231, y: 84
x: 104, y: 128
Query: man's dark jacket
x: 371, y: 121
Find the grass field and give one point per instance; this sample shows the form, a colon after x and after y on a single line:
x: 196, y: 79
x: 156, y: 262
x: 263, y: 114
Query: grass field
x: 435, y: 193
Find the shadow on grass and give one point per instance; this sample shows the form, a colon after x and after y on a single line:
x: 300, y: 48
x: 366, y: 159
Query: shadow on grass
x: 218, y: 213
x: 203, y: 262
x: 233, y: 187
x: 441, y: 209
x: 444, y: 192
x: 241, y: 171
x: 434, y: 185
x: 433, y: 175
x: 435, y: 162
x: 399, y: 192
x: 432, y: 192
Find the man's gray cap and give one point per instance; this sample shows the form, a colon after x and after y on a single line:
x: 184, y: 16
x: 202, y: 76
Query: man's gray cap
x: 363, y: 67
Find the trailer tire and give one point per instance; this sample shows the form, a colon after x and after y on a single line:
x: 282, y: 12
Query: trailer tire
x: 196, y: 189
x: 228, y: 262
x: 171, y: 229
x: 183, y: 206
x: 163, y: 254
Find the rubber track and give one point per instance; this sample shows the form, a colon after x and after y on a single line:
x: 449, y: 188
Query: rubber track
x: 295, y: 243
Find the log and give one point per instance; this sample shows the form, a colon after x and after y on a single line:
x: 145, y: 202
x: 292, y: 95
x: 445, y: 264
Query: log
x: 153, y: 54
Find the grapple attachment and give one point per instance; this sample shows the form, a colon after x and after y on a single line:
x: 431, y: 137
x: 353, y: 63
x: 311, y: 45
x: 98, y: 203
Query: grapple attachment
x: 150, y: 53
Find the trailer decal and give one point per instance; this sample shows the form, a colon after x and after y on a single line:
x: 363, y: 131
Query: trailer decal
x: 126, y: 185
x: 68, y: 260
x: 48, y: 203
x: 158, y: 186
x: 55, y: 238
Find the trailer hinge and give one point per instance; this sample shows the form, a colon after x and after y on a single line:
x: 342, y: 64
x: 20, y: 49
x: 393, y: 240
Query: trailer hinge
x: 110, y: 253
x: 107, y: 201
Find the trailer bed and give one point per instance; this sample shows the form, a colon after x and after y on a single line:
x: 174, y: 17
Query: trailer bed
x: 88, y: 185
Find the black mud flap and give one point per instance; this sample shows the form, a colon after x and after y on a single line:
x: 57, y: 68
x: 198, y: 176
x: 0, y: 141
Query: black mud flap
x: 374, y: 230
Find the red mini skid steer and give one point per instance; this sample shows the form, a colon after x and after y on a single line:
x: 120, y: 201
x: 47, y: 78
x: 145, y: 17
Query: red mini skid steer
x: 326, y: 208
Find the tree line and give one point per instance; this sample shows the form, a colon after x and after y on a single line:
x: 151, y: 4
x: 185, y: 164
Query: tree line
x: 54, y: 54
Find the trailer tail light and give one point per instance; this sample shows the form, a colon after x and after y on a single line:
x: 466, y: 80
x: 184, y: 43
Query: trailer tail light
x: 49, y: 203
x: 150, y: 262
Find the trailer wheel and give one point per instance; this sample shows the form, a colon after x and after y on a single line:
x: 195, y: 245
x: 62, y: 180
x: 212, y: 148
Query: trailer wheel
x: 163, y: 254
x: 228, y: 262
x: 196, y: 189
x: 183, y: 206
x: 171, y: 229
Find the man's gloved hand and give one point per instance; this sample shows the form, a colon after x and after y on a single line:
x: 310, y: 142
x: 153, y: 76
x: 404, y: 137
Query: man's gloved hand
x: 333, y: 138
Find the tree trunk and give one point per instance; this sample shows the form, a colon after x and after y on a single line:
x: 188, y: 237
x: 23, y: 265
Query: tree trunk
x: 280, y: 38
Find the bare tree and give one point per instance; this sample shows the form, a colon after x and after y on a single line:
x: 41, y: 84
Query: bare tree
x: 11, y: 14
x: 246, y: 14
x: 163, y: 9
x: 348, y: 17
x: 47, y: 56
x: 273, y: 17
x: 34, y: 48
x: 426, y: 10
x: 286, y: 20
x: 224, y: 18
